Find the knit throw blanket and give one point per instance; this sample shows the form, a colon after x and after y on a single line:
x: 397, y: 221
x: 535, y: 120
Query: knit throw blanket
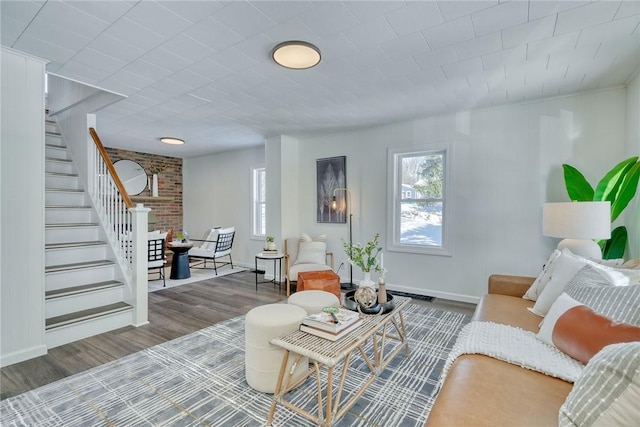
x: 515, y: 346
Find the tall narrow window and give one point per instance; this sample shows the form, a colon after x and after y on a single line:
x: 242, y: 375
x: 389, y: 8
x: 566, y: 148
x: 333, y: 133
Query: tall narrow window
x: 259, y: 202
x: 419, y: 205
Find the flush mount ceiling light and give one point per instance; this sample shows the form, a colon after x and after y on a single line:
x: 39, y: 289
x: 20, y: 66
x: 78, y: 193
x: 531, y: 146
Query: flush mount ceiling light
x: 171, y: 140
x: 296, y: 54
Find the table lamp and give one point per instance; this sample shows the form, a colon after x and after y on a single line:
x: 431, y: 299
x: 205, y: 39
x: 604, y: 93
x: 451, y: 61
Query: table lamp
x: 578, y: 223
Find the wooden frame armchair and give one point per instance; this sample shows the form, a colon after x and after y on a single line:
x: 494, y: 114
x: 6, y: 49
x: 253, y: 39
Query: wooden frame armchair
x: 293, y: 265
x: 217, y: 245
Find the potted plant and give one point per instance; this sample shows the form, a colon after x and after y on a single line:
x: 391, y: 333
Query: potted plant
x: 365, y: 257
x: 271, y: 245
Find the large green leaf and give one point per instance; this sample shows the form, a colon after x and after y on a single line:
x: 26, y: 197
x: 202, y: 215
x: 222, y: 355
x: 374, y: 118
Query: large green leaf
x: 608, y: 187
x: 616, y: 245
x: 578, y: 187
x: 626, y: 191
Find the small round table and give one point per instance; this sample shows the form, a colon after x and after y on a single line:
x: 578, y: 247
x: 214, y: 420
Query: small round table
x: 274, y: 256
x: 180, y: 261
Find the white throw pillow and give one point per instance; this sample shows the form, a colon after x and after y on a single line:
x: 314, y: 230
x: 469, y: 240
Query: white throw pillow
x: 566, y: 266
x: 559, y: 307
x: 306, y: 238
x: 543, y: 279
x: 311, y: 253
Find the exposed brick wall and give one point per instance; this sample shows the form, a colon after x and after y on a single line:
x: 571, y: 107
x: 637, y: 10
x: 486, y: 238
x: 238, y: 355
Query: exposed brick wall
x: 165, y: 214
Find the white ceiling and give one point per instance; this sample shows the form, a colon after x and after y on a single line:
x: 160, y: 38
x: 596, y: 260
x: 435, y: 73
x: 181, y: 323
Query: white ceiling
x: 201, y: 70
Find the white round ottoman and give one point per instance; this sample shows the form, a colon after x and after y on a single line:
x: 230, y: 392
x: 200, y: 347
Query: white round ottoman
x: 263, y: 360
x: 314, y: 301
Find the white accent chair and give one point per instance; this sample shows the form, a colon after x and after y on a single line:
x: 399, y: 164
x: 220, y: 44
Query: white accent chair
x: 156, y: 258
x: 293, y: 264
x: 218, y: 244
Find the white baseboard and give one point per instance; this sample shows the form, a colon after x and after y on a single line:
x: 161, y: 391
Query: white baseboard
x: 22, y: 355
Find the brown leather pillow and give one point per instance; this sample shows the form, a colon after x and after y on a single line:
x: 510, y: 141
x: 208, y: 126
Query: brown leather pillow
x: 581, y: 332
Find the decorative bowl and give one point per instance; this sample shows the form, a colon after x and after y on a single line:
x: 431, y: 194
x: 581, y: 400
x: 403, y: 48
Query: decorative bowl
x: 351, y: 304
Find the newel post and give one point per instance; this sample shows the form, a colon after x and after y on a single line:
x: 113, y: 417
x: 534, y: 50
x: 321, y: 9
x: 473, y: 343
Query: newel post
x: 139, y: 278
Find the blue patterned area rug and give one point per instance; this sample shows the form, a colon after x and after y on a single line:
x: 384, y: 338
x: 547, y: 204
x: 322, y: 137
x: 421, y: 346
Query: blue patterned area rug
x: 198, y: 380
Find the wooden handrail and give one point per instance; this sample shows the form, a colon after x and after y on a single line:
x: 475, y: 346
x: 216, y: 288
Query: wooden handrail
x: 112, y: 170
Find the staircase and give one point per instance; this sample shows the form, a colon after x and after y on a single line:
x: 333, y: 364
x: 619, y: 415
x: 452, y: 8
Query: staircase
x: 83, y: 295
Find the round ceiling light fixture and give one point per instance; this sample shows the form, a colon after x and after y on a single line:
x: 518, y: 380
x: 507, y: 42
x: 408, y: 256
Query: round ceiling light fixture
x: 295, y: 54
x: 171, y: 140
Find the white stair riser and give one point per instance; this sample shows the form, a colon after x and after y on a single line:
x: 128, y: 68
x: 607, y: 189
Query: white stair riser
x: 71, y: 304
x: 56, y: 153
x: 78, y: 331
x: 50, y: 127
x: 73, y: 255
x: 61, y: 181
x: 66, y: 198
x: 68, y: 216
x: 53, y: 139
x: 71, y: 234
x: 61, y: 167
x: 67, y: 279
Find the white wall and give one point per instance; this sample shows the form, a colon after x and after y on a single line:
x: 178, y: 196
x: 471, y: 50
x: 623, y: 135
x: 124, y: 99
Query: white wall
x: 506, y: 164
x: 217, y: 192
x: 21, y: 208
x: 632, y: 214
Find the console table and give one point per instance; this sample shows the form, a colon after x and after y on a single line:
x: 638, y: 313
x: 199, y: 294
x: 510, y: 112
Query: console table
x: 381, y: 329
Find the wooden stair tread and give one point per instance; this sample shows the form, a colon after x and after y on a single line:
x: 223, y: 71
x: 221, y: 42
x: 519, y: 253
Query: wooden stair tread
x: 75, y: 290
x: 77, y: 266
x: 74, y: 175
x: 55, y: 159
x: 84, y: 315
x: 72, y: 224
x: 74, y: 244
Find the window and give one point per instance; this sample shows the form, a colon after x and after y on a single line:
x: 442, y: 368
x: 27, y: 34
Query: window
x: 418, y: 210
x: 259, y: 202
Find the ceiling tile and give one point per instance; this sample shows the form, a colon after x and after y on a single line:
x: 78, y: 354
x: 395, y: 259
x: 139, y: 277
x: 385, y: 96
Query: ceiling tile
x: 115, y: 48
x: 70, y: 19
x: 163, y: 58
x: 56, y: 35
x: 128, y: 31
x: 108, y: 11
x: 628, y: 8
x: 280, y: 11
x: 10, y: 29
x: 479, y: 46
x: 43, y: 49
x: 243, y: 18
x: 210, y: 69
x: 154, y: 17
x: 193, y: 10
x: 504, y: 57
x: 500, y: 17
x: 328, y: 18
x: 130, y: 79
x: 415, y: 17
x: 451, y: 10
x: 449, y: 33
x: 22, y: 11
x: 99, y: 60
x: 83, y: 73
x: 609, y: 31
x: 406, y: 45
x: 147, y: 69
x: 186, y: 47
x: 213, y: 34
x: 436, y: 58
x: 528, y: 32
x: 541, y: 9
x: 462, y: 68
x: 368, y: 10
x: 585, y: 16
x: 372, y: 33
x: 545, y: 47
x: 399, y: 67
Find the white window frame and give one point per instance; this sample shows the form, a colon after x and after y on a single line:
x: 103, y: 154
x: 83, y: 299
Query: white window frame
x: 255, y: 201
x: 394, y: 194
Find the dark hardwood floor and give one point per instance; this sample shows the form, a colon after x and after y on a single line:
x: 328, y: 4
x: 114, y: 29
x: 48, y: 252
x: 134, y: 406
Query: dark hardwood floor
x: 173, y: 313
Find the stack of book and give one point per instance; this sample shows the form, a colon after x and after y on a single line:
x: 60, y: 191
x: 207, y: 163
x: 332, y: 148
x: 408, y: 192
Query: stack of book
x: 324, y: 325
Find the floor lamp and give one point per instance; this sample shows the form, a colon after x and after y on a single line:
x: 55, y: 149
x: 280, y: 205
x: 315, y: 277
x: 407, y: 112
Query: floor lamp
x: 334, y: 204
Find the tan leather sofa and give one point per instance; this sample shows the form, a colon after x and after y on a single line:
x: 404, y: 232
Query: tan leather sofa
x: 482, y: 391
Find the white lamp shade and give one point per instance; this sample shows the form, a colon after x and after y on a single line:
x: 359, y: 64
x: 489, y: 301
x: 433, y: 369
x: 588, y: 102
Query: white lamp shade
x: 577, y: 220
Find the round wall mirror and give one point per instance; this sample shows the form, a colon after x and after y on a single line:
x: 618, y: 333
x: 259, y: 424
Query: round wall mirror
x: 132, y: 175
